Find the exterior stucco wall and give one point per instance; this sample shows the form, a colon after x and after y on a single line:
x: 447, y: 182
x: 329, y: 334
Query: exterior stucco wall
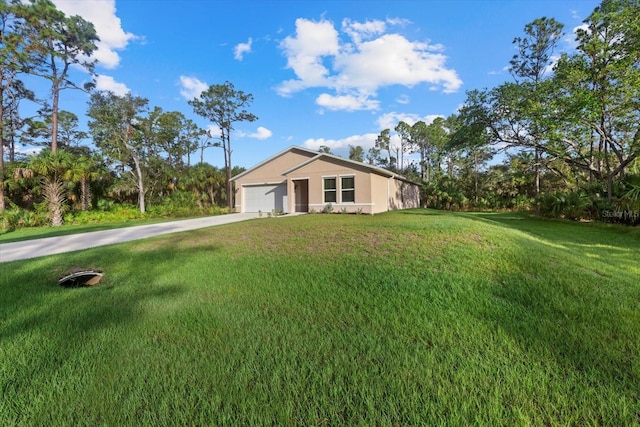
x: 403, y: 195
x: 316, y: 171
x: 379, y: 193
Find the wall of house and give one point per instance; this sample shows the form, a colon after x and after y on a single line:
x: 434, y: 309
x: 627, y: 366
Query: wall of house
x: 316, y: 171
x: 379, y: 193
x: 403, y: 195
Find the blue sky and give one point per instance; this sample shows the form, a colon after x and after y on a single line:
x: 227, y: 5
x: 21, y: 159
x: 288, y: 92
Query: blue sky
x: 326, y: 72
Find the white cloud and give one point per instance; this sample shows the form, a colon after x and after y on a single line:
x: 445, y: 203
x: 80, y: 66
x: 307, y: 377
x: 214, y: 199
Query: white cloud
x: 191, y: 87
x: 261, y: 133
x: 305, y: 51
x: 347, y: 102
x: 108, y: 26
x: 392, y: 59
x: 403, y: 99
x: 356, y: 70
x: 214, y: 131
x: 363, y: 30
x: 398, y: 21
x: 241, y: 49
x: 107, y: 83
x: 366, y: 141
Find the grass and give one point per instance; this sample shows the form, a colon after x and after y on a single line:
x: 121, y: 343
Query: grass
x: 405, y: 318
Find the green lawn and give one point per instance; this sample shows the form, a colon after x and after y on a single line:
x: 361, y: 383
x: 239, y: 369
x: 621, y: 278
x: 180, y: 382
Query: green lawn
x: 406, y: 318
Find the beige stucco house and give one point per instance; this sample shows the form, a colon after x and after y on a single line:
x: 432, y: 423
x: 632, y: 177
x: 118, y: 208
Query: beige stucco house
x: 302, y: 180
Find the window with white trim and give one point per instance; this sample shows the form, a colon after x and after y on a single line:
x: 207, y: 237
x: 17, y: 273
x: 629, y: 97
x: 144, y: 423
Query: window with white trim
x: 348, y: 189
x: 330, y: 190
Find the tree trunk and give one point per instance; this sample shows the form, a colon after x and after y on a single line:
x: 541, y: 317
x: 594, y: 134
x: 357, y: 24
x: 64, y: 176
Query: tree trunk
x: 54, y: 119
x: 537, y: 179
x: 450, y: 166
x: 592, y: 161
x: 230, y: 198
x: 422, y: 163
x: 475, y: 176
x: 609, y: 174
x: 85, y: 193
x: 54, y: 194
x: 141, y: 202
x: 12, y: 149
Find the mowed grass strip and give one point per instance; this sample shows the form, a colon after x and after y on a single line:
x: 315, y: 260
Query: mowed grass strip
x: 405, y: 318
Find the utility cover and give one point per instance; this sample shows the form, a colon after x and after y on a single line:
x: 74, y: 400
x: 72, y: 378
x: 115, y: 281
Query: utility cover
x: 80, y: 277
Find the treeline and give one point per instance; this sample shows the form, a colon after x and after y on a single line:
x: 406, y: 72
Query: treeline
x: 142, y: 158
x: 567, y: 129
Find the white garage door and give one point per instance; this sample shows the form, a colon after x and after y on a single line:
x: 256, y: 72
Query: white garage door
x: 265, y: 198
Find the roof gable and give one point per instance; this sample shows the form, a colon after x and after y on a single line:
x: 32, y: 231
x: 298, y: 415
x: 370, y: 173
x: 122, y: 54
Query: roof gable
x: 352, y: 163
x: 304, y: 151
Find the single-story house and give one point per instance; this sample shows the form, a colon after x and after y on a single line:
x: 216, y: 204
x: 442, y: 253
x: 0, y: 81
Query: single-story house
x: 302, y: 180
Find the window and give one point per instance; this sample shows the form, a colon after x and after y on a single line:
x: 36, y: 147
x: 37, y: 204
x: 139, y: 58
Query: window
x: 348, y: 186
x: 330, y: 191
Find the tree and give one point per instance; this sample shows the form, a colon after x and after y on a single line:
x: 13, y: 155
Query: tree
x: 429, y: 141
x: 530, y: 64
x: 189, y: 139
x: 324, y: 149
x: 406, y: 143
x: 39, y: 131
x: 206, y: 182
x: 204, y: 142
x: 13, y: 124
x: 474, y: 131
x: 63, y: 42
x: 51, y: 167
x: 69, y: 133
x: 382, y: 143
x: 224, y: 105
x: 596, y: 99
x: 83, y: 170
x: 115, y: 131
x: 16, y: 54
x: 161, y: 136
x: 356, y: 153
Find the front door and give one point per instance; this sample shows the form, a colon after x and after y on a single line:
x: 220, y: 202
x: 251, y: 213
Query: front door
x: 302, y: 195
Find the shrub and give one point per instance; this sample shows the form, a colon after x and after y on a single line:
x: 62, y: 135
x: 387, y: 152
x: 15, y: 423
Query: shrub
x: 107, y: 213
x: 328, y: 208
x: 573, y: 205
x: 15, y: 218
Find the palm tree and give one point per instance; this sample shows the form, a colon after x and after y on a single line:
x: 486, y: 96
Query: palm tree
x: 52, y: 167
x: 83, y: 170
x: 206, y: 182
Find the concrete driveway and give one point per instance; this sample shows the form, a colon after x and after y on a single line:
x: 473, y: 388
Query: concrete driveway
x: 75, y: 242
